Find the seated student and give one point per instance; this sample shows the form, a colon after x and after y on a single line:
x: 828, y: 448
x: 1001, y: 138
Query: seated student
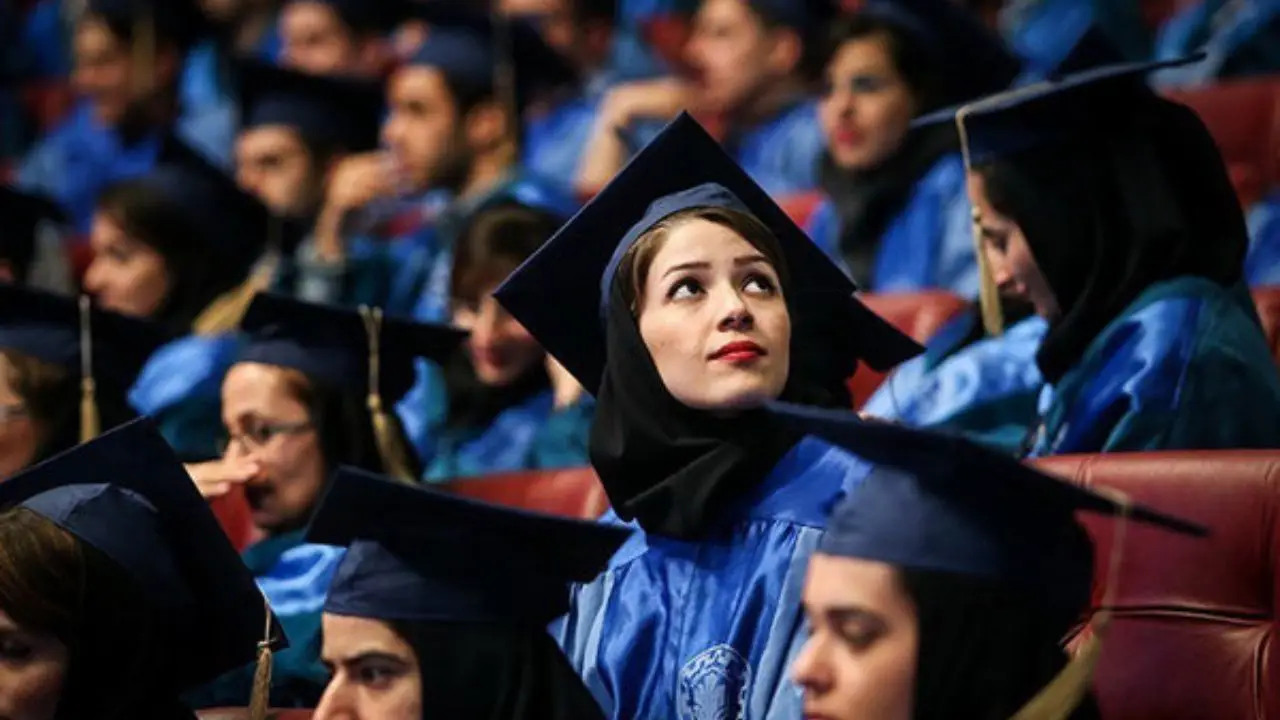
x: 32, y: 251
x: 306, y: 395
x: 500, y: 405
x: 685, y: 298
x: 1241, y: 38
x: 1043, y: 32
x: 452, y: 141
x: 171, y: 247
x: 118, y: 590
x: 337, y: 37
x: 947, y: 583
x: 895, y: 212
x: 1153, y: 340
x: 421, y: 621
x: 127, y: 70
x: 753, y: 61
x: 47, y: 404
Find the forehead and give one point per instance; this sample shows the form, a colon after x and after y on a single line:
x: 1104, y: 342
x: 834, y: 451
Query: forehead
x: 699, y: 240
x: 346, y: 636
x: 418, y: 83
x: 869, y: 52
x: 533, y: 7
x: 727, y: 11
x: 92, y: 33
x: 834, y: 581
x: 250, y: 386
x: 268, y: 138
x: 306, y: 15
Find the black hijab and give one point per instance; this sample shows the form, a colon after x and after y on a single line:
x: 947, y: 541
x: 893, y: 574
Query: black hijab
x: 670, y: 467
x: 474, y: 403
x: 479, y: 671
x: 1110, y: 213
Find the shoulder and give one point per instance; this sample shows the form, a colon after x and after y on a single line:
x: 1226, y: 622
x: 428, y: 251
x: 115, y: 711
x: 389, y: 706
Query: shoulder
x: 806, y: 483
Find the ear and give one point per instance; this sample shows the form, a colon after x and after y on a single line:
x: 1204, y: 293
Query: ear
x: 786, y: 48
x: 7, y: 276
x: 486, y: 124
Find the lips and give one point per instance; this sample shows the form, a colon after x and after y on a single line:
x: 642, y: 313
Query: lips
x: 738, y: 351
x: 847, y: 136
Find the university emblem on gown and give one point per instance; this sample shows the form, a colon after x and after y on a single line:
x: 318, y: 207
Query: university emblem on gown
x: 714, y: 686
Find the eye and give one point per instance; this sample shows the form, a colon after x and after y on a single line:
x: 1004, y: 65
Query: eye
x: 998, y: 239
x: 684, y: 288
x: 13, y: 650
x: 859, y: 636
x: 377, y: 675
x: 760, y: 284
x: 866, y: 83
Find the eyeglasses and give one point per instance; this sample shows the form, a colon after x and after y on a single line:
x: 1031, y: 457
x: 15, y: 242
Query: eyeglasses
x: 256, y: 436
x: 9, y: 413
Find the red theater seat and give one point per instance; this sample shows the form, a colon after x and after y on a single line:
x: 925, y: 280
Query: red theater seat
x: 233, y: 515
x: 1244, y: 118
x: 1267, y: 300
x: 1194, y: 629
x: 800, y: 207
x: 48, y: 102
x: 919, y: 315
x: 572, y: 492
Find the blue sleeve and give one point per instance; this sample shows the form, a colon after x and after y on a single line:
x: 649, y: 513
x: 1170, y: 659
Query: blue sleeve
x: 1262, y: 265
x: 422, y: 410
x: 562, y: 440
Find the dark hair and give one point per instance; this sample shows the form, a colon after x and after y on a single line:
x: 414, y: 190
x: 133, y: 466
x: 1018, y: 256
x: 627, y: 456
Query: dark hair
x: 51, y: 395
x: 915, y: 64
x: 494, y: 243
x: 195, y: 275
x: 52, y: 583
x: 593, y: 11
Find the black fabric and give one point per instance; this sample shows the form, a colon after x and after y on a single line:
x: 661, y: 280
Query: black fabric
x: 984, y: 650
x: 474, y: 403
x: 674, y: 469
x: 494, y: 672
x: 1114, y: 212
x: 867, y: 201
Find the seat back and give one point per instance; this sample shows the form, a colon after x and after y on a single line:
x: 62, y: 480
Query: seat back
x: 919, y: 315
x: 1267, y: 301
x: 1194, y: 620
x: 571, y: 492
x: 1244, y: 118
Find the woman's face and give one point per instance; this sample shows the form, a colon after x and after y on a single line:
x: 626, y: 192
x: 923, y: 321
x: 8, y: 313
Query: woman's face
x: 501, y: 349
x: 102, y: 72
x: 860, y: 660
x: 126, y: 275
x: 17, y: 431
x: 267, y: 424
x: 1013, y: 267
x: 714, y: 320
x: 867, y: 109
x: 33, y: 667
x: 374, y: 672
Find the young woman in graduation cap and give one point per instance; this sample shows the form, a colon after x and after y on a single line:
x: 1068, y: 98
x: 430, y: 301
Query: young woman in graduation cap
x: 118, y: 590
x: 312, y: 388
x: 65, y: 372
x: 421, y: 621
x: 948, y: 581
x: 1109, y: 209
x: 896, y: 212
x: 684, y: 299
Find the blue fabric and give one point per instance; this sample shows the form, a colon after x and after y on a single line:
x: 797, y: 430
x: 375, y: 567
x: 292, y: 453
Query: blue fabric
x: 554, y: 141
x: 782, y: 154
x: 80, y: 157
x: 1262, y: 265
x: 929, y: 245
x: 630, y: 56
x: 203, y: 85
x: 1044, y: 32
x: 43, y: 45
x: 1185, y: 367
x: 180, y: 388
x: 1241, y: 39
x: 687, y: 630
x: 987, y: 390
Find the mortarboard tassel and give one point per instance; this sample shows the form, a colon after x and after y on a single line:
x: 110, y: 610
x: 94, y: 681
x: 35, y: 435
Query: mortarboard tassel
x: 227, y: 310
x: 988, y: 293
x: 90, y: 423
x: 1059, y: 699
x: 260, y: 697
x: 389, y: 445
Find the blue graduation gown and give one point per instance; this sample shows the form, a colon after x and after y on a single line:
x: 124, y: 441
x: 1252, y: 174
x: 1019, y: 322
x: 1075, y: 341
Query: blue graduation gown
x: 1184, y: 367
x: 1044, y: 32
x: 1241, y: 39
x: 987, y: 390
x: 928, y: 245
x: 80, y: 157
x: 1262, y: 265
x: 782, y: 154
x: 180, y: 387
x: 687, y: 630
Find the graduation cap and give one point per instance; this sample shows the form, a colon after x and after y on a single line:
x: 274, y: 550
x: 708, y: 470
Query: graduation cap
x: 418, y: 554
x: 344, y: 113
x: 957, y: 507
x: 367, y: 16
x: 486, y: 53
x: 972, y: 59
x: 102, y: 347
x: 1081, y: 105
x: 128, y: 496
x: 560, y: 292
x: 355, y: 349
x: 22, y: 215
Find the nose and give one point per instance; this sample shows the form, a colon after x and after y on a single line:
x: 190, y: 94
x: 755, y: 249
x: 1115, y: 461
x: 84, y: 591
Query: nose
x: 808, y: 671
x: 335, y: 703
x: 737, y: 315
x: 93, y: 278
x: 1000, y: 273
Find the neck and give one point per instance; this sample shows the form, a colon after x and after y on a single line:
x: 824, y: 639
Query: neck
x: 488, y: 169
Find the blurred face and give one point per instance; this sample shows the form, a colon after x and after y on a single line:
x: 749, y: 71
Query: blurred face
x: 714, y: 320
x: 733, y: 54
x: 553, y: 18
x: 315, y: 40
x: 126, y: 275
x: 860, y: 660
x: 18, y: 439
x: 1013, y: 267
x: 867, y: 109
x: 501, y: 349
x: 374, y: 672
x: 267, y: 424
x: 102, y: 70
x: 422, y: 130
x: 274, y: 165
x: 33, y: 667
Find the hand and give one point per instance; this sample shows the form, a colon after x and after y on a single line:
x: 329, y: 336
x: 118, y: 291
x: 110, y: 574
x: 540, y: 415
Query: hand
x: 358, y: 180
x: 660, y: 98
x: 565, y: 387
x: 216, y: 478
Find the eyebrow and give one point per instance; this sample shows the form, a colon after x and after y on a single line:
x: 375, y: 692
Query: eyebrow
x: 703, y: 265
x: 364, y: 656
x: 991, y: 232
